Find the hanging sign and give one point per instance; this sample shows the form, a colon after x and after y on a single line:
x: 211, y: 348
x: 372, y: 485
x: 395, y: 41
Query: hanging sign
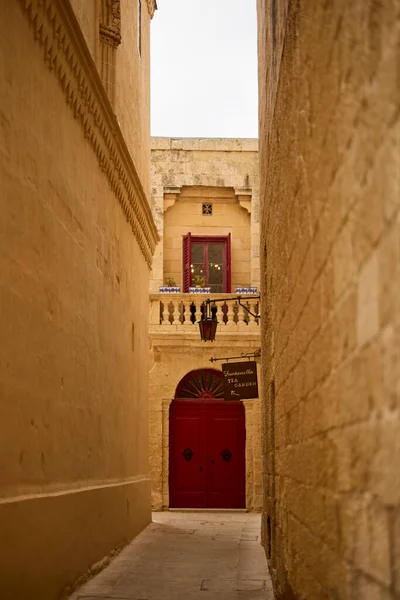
x: 240, y: 380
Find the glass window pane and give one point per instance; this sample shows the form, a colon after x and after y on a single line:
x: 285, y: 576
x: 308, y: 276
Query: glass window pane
x: 215, y: 267
x: 215, y: 253
x: 197, y: 253
x: 197, y: 265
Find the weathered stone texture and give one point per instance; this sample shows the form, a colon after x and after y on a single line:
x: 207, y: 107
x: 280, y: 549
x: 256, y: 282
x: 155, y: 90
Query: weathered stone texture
x: 75, y: 252
x: 189, y: 171
x: 172, y: 357
x: 132, y: 103
x: 124, y: 72
x: 330, y: 264
x: 185, y: 174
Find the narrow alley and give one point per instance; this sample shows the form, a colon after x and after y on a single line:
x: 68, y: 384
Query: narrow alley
x: 188, y: 556
x: 200, y: 300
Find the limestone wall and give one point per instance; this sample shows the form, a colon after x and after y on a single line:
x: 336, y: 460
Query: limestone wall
x: 89, y: 16
x: 171, y: 358
x: 330, y: 195
x: 189, y: 171
x: 228, y: 217
x: 132, y: 103
x: 76, y: 239
x: 185, y: 174
x: 127, y: 73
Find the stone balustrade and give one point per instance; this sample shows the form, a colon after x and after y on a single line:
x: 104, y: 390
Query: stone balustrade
x: 183, y: 311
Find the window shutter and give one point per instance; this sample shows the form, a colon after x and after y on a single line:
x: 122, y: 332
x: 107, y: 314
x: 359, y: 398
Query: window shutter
x: 228, y: 264
x: 186, y: 262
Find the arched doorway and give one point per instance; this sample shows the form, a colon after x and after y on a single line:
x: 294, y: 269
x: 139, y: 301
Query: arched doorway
x: 206, y: 445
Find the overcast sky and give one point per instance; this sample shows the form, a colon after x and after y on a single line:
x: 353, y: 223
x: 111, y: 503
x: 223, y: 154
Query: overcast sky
x: 204, y: 68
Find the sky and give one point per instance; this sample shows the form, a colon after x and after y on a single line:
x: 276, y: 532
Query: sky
x: 204, y: 68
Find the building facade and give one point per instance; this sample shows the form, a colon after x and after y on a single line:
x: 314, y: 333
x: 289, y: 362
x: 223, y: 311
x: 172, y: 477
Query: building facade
x: 205, y: 204
x: 330, y: 200
x: 76, y: 244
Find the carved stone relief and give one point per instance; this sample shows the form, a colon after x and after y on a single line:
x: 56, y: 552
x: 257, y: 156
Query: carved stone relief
x: 110, y: 25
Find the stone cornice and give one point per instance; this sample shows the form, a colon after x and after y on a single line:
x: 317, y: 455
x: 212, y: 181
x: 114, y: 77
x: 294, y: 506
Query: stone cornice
x: 65, y: 52
x: 184, y: 340
x: 152, y: 7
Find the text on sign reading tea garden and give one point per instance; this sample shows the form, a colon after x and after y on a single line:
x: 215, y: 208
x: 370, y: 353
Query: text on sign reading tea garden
x: 240, y: 380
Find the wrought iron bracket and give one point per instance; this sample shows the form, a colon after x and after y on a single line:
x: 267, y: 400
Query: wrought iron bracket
x: 238, y: 299
x: 247, y: 309
x: 248, y: 355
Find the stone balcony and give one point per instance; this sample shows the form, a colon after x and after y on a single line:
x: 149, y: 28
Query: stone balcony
x: 178, y: 314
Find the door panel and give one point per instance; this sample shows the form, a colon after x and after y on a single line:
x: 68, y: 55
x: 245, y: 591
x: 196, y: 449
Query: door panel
x: 211, y: 473
x: 226, y: 457
x: 188, y: 456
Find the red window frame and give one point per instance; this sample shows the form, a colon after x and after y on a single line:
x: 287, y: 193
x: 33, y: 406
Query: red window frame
x: 190, y: 239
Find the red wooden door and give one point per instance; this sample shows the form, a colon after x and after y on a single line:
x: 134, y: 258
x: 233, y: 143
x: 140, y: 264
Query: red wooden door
x: 226, y: 456
x: 187, y: 455
x: 207, y: 454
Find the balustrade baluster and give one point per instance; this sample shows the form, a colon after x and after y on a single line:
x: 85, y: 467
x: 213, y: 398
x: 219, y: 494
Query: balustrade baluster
x: 253, y: 325
x: 230, y: 324
x: 175, y: 312
x: 216, y: 313
x: 164, y: 314
x: 166, y: 317
x: 243, y: 317
x: 187, y: 324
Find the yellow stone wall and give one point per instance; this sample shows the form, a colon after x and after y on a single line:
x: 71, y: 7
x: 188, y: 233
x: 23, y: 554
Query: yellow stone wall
x: 330, y: 230
x: 186, y: 173
x: 131, y: 93
x: 88, y: 17
x: 74, y: 482
x: 132, y: 105
x: 172, y: 356
x: 228, y: 217
x: 189, y: 171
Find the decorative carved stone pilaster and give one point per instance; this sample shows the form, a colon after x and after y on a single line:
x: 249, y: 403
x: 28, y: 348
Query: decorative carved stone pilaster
x: 110, y: 39
x: 53, y: 25
x: 110, y: 26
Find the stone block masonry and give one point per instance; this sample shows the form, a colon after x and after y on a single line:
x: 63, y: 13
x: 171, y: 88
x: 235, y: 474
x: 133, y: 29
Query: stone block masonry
x: 186, y: 174
x: 330, y: 272
x: 76, y: 244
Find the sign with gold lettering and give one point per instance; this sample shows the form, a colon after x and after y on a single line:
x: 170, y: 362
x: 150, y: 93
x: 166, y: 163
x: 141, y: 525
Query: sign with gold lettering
x: 240, y: 380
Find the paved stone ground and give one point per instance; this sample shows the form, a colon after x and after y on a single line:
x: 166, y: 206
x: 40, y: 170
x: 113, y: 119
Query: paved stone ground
x: 188, y: 556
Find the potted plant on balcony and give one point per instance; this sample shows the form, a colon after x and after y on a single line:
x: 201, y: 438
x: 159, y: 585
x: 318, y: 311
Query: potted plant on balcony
x: 169, y: 286
x: 198, y: 281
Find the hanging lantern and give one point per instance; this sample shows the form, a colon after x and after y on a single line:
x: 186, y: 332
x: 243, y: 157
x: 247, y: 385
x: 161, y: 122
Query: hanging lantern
x: 207, y: 324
